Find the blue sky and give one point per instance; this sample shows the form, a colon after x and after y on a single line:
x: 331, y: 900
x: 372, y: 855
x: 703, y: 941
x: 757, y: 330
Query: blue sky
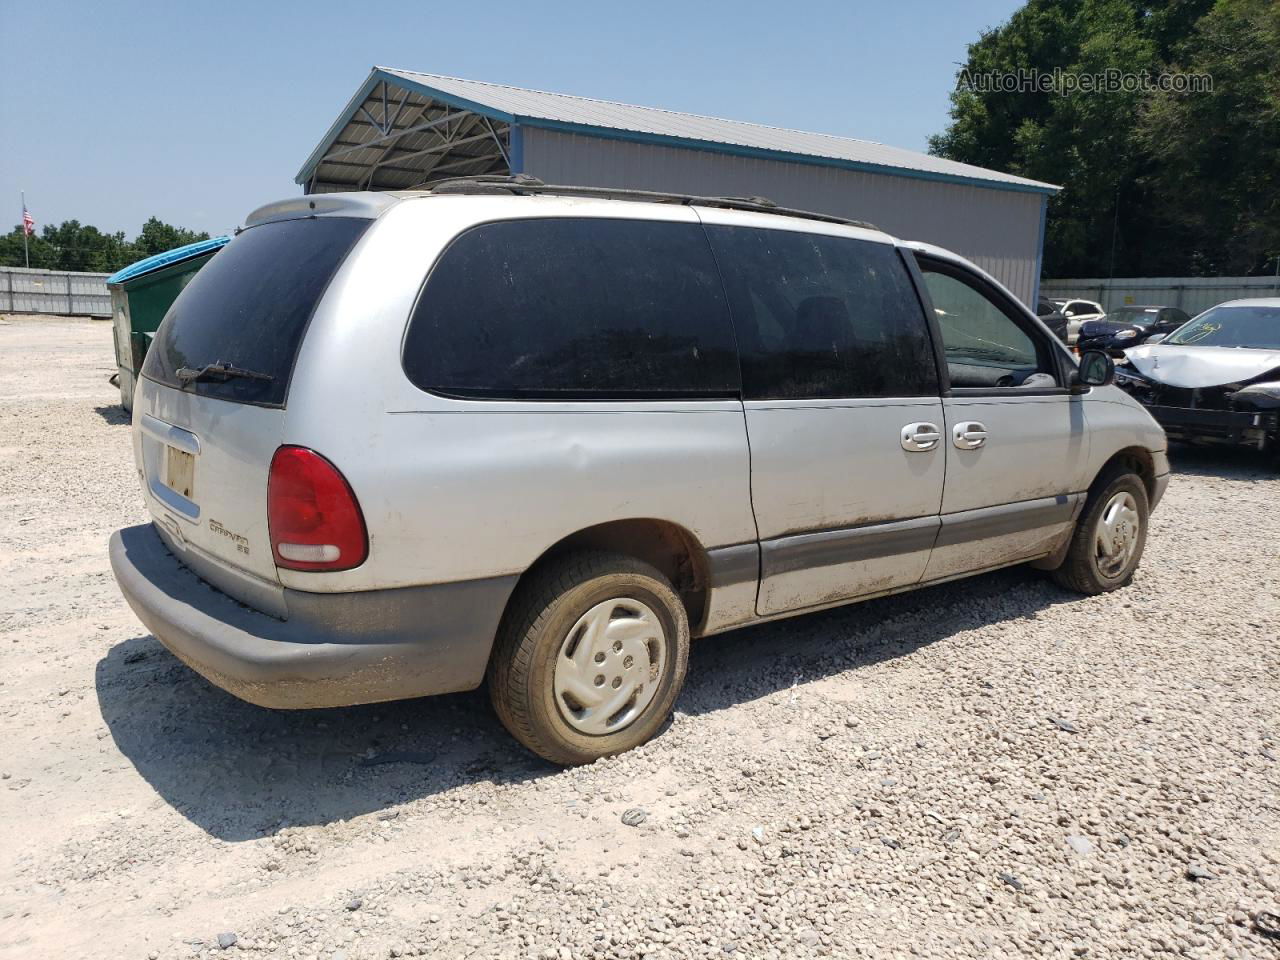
x: 197, y: 112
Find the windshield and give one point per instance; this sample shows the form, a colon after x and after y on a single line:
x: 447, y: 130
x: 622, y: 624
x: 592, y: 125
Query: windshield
x: 1257, y: 327
x: 249, y: 307
x: 1140, y: 316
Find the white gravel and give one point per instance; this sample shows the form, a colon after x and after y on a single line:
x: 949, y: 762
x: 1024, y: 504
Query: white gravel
x: 987, y: 769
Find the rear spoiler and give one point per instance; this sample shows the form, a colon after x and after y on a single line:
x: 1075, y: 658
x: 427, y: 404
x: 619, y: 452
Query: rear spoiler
x: 368, y: 205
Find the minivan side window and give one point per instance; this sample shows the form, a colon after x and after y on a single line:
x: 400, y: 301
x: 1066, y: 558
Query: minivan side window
x: 823, y: 317
x: 984, y: 345
x: 574, y: 308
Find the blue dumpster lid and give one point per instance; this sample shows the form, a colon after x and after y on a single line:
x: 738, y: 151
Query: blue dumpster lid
x: 150, y: 264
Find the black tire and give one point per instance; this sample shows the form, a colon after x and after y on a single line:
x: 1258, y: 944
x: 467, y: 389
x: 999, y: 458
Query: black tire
x: 1081, y: 570
x: 536, y: 626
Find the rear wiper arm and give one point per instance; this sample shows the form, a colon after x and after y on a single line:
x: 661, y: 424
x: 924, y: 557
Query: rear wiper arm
x: 219, y: 370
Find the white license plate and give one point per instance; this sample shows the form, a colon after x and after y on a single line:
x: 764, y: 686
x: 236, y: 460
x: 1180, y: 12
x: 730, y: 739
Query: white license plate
x: 180, y: 472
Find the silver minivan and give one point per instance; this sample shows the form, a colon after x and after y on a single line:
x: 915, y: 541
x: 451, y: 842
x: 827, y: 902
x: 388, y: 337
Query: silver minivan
x: 403, y: 444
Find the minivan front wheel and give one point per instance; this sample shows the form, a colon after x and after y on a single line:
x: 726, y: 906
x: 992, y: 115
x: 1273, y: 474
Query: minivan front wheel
x: 590, y: 657
x: 1107, y: 544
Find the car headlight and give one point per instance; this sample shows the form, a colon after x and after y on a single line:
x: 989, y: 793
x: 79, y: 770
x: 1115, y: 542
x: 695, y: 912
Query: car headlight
x: 1128, y: 378
x: 1126, y: 334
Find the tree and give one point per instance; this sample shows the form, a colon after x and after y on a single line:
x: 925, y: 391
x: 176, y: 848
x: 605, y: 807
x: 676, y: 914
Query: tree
x: 43, y: 255
x: 1121, y: 155
x: 74, y: 246
x: 157, y: 237
x: 86, y: 249
x: 1215, y: 158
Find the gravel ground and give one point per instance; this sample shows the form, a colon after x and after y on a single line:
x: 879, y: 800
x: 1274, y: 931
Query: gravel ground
x: 986, y: 769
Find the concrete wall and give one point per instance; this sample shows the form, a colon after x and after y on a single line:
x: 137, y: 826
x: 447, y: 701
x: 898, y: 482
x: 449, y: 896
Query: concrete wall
x: 997, y: 229
x: 1192, y: 294
x: 54, y: 291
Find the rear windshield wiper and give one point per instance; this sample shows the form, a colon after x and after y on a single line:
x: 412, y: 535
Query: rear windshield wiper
x: 218, y: 370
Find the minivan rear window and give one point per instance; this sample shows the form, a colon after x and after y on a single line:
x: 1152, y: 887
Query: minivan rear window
x: 574, y: 308
x: 249, y: 306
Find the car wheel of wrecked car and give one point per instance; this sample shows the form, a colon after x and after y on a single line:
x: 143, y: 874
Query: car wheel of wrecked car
x: 1107, y: 543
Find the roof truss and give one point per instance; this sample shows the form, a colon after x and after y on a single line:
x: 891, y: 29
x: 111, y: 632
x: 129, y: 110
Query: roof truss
x: 396, y: 138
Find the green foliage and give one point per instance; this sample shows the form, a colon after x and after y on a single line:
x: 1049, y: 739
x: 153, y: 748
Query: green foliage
x: 74, y: 246
x: 157, y: 237
x: 1215, y: 158
x: 43, y: 255
x: 1167, y: 183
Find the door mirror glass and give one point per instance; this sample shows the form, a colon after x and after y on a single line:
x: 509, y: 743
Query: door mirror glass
x: 1156, y: 337
x: 1096, y: 369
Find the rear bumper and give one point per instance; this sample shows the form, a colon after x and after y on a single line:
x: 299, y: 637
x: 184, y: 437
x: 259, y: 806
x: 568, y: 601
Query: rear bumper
x: 334, y: 650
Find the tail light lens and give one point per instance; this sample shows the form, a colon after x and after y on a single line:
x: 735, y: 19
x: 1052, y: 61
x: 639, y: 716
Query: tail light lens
x: 313, y: 516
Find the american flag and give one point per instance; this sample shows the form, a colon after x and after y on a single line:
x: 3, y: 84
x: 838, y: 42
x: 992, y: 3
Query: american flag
x: 28, y: 221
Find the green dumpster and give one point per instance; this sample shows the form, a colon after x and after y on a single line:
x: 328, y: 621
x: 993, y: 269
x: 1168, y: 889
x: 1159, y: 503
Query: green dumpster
x: 141, y: 294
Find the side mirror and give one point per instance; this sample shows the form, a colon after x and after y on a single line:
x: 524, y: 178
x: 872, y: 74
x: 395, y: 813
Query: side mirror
x: 1096, y: 370
x: 1155, y: 338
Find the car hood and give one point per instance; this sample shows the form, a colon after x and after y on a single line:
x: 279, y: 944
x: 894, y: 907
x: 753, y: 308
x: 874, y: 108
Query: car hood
x: 1194, y: 367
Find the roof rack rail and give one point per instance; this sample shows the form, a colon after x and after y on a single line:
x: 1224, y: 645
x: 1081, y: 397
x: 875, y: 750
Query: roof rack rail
x: 521, y: 184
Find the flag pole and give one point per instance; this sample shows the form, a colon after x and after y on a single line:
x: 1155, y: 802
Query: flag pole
x: 26, y: 255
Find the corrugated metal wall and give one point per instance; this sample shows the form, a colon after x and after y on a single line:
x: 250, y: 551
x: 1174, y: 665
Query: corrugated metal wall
x: 54, y: 291
x: 1192, y: 294
x: 997, y: 229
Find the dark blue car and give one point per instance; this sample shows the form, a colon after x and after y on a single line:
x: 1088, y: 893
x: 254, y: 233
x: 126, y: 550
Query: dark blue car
x: 1129, y: 326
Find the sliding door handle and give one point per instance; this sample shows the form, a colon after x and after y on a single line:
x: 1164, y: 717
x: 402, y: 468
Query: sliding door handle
x: 969, y: 435
x: 920, y: 437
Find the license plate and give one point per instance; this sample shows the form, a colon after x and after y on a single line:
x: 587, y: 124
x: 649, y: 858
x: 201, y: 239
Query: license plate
x: 180, y: 471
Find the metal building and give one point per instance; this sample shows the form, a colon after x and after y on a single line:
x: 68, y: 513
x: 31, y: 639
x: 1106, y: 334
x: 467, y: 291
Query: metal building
x: 404, y: 129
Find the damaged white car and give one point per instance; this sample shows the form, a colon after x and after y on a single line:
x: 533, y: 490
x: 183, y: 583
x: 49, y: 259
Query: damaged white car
x: 1216, y: 379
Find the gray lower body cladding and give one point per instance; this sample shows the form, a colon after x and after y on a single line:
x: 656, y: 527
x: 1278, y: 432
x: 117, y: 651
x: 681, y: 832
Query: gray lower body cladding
x: 334, y: 650
x: 854, y: 544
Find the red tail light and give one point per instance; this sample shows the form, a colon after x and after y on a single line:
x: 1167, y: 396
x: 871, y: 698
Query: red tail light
x: 313, y: 516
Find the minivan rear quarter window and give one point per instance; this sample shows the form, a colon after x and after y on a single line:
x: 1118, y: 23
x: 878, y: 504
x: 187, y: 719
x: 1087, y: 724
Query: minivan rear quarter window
x: 249, y: 307
x: 574, y: 308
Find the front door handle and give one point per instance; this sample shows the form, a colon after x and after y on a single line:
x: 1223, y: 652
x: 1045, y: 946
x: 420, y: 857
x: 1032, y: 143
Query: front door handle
x: 969, y: 435
x: 920, y: 437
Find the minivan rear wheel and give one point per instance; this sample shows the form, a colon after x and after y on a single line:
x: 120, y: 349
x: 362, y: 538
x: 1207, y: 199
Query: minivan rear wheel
x: 590, y: 657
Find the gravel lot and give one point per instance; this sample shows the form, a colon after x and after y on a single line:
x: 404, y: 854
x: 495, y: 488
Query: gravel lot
x: 986, y: 769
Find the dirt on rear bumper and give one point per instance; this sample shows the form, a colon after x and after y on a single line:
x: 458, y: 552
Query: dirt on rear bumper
x: 340, y: 650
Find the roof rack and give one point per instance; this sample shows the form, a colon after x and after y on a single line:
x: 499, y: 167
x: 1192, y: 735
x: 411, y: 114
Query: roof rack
x: 521, y: 184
